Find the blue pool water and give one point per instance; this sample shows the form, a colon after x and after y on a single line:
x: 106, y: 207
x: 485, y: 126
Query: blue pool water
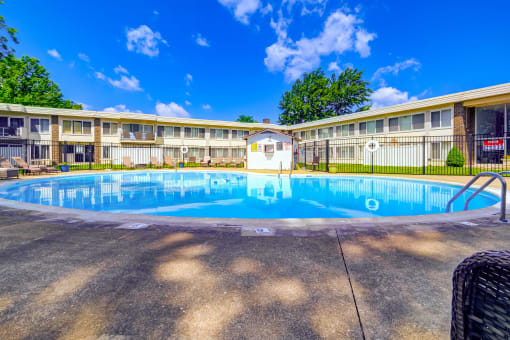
x: 242, y: 195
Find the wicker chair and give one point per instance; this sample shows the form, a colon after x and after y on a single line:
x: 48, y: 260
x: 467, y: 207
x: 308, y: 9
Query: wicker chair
x: 481, y: 297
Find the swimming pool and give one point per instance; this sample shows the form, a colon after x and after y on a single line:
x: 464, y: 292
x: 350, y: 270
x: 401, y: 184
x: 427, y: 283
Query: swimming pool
x: 219, y: 194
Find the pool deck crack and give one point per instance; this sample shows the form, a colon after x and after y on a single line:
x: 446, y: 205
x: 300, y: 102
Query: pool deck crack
x: 350, y: 284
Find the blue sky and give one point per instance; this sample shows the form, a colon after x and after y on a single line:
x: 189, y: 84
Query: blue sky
x: 217, y: 59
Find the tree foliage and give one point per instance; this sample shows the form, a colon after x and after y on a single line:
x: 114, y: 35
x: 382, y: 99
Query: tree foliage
x: 245, y: 119
x: 7, y: 36
x: 455, y: 158
x: 24, y: 81
x: 316, y: 96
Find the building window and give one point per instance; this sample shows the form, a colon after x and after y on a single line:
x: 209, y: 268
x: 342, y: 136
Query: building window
x: 441, y: 119
x: 407, y: 123
x: 419, y: 121
x: 40, y: 151
x: 195, y: 133
x: 239, y: 134
x: 269, y: 148
x: 325, y: 133
x: 345, y: 130
x: 393, y: 124
x: 279, y: 146
x: 371, y: 127
x: 169, y: 131
x: 40, y: 125
x: 238, y: 152
x: 345, y: 152
x: 363, y: 128
x: 107, y: 151
x: 77, y: 127
x: 110, y: 129
x: 440, y: 150
x: 219, y: 152
x: 219, y: 134
x: 137, y: 131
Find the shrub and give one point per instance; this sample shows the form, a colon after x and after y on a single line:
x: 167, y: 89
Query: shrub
x: 455, y: 158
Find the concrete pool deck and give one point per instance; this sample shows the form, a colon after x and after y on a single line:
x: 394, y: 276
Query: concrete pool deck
x: 69, y: 277
x: 85, y: 280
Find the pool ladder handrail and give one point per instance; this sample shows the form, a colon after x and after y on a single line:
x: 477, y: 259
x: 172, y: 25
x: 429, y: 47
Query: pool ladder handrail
x: 498, y: 176
x: 280, y: 170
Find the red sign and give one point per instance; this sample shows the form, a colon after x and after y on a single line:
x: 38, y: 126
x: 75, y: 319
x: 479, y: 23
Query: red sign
x: 493, y: 145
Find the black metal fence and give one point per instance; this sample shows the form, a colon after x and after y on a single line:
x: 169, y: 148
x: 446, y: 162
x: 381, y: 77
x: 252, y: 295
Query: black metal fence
x: 98, y: 156
x: 427, y: 155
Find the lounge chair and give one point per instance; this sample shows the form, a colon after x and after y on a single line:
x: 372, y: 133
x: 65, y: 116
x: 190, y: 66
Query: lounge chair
x: 155, y: 162
x: 237, y: 162
x: 48, y: 169
x: 6, y: 173
x: 315, y: 162
x: 27, y: 168
x: 226, y: 162
x: 169, y: 161
x: 7, y: 170
x: 126, y: 161
x: 215, y: 161
x: 206, y: 162
x: 481, y: 297
x: 192, y: 160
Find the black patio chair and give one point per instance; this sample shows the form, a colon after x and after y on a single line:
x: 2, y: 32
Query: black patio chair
x: 481, y: 297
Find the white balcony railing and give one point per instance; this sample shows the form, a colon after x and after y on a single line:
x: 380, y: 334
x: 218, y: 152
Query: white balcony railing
x: 10, y: 132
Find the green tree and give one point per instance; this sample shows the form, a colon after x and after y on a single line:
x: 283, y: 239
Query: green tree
x: 245, y: 119
x: 7, y: 33
x: 348, y: 93
x: 316, y: 96
x: 24, y: 81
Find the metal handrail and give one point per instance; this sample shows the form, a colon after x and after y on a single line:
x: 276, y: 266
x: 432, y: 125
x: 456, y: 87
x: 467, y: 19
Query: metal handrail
x: 280, y: 170
x: 468, y: 185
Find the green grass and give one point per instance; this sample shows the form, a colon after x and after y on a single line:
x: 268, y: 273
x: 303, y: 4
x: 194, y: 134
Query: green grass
x: 86, y: 166
x: 429, y: 170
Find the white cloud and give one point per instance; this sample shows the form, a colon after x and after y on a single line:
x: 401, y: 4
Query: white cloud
x: 200, y: 40
x: 362, y: 40
x: 387, y: 96
x: 266, y: 10
x: 119, y: 108
x: 54, y: 53
x: 143, y: 40
x: 206, y: 107
x: 187, y: 102
x: 100, y: 75
x: 120, y: 69
x: 307, y: 6
x: 242, y: 9
x: 126, y: 83
x: 395, y: 69
x: 333, y: 66
x: 85, y: 106
x: 341, y: 33
x: 155, y: 12
x: 84, y: 57
x: 189, y: 79
x: 171, y: 110
x: 188, y: 94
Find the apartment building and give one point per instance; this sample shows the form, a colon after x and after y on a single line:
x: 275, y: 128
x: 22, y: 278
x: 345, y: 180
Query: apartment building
x: 482, y: 112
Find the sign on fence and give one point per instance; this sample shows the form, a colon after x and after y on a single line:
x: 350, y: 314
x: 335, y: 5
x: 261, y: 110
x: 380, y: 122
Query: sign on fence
x: 493, y: 145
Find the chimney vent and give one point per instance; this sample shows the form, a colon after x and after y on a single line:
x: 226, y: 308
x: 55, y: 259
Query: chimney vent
x: 266, y: 121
